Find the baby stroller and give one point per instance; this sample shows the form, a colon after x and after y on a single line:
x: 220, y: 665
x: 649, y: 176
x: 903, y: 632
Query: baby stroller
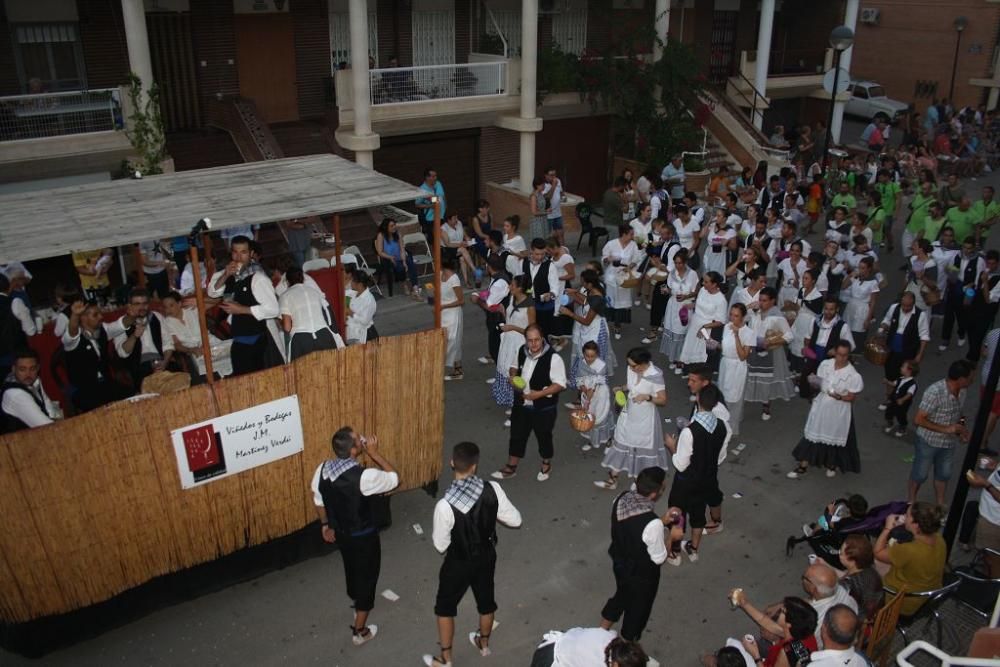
x: 826, y: 544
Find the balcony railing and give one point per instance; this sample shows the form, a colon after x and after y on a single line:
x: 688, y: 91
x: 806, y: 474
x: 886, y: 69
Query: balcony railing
x: 59, y: 114
x: 436, y: 82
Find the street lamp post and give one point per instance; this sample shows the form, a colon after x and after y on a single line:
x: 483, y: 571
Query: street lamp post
x: 841, y: 39
x: 960, y: 23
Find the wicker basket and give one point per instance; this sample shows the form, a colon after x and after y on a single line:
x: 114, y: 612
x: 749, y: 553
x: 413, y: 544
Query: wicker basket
x: 876, y: 352
x: 931, y: 295
x: 774, y: 338
x: 631, y: 281
x: 581, y: 420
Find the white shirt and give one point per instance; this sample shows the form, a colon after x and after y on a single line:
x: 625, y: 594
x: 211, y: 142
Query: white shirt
x: 514, y: 245
x: 153, y: 251
x: 989, y: 508
x: 923, y: 322
x: 564, y: 260
x: 23, y: 315
x: 499, y: 289
x: 305, y: 307
x: 825, y: 328
x: 21, y: 405
x: 187, y: 278
x: 451, y: 234
x: 112, y: 329
x: 652, y: 537
x: 840, y: 596
x: 557, y: 370
x: 148, y: 347
x: 580, y: 647
x: 373, y: 482
x: 444, y: 518
x: 685, y: 446
x: 846, y: 658
x: 187, y: 328
x: 556, y: 198
x: 263, y: 292
x: 240, y: 230
x: 555, y: 285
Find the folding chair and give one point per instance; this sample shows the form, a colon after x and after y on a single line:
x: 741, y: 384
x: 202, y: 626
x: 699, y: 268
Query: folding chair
x: 930, y: 610
x: 317, y: 264
x: 424, y: 258
x: 362, y: 264
x: 978, y: 591
x: 883, y: 627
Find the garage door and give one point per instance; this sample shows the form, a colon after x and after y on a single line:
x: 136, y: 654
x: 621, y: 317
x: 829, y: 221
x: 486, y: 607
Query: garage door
x: 453, y: 155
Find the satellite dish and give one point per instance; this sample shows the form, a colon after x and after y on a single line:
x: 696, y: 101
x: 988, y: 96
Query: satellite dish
x: 843, y: 81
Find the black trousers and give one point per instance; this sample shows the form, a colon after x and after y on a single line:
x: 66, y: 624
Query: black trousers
x: 455, y: 578
x: 493, y: 334
x: 658, y: 306
x: 158, y: 283
x: 362, y: 565
x: 633, y: 598
x: 955, y: 311
x: 524, y: 421
x: 895, y: 413
x: 980, y: 325
x: 302, y: 343
x: 544, y: 318
x: 893, y: 364
x: 256, y: 357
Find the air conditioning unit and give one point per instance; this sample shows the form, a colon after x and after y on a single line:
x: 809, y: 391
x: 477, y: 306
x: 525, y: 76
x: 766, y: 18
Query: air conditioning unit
x: 871, y: 15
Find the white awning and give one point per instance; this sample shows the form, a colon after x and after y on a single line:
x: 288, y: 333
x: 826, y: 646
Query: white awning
x: 49, y: 223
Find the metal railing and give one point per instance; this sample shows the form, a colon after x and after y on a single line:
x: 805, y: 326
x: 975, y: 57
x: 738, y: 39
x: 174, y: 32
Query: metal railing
x: 796, y: 62
x: 58, y: 114
x: 435, y: 82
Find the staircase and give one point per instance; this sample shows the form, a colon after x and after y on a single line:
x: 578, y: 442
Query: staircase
x: 238, y: 116
x: 731, y: 128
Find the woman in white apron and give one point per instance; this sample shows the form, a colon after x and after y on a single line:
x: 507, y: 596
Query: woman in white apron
x: 687, y: 232
x: 790, y: 272
x: 808, y: 306
x: 638, y: 442
x: 303, y: 318
x: 716, y: 236
x: 520, y: 313
x: 738, y: 341
x: 620, y: 257
x: 860, y: 291
x: 829, y: 439
x: 710, y: 313
x: 452, y: 319
x: 923, y: 272
x: 768, y: 377
x: 587, y: 309
x: 683, y: 286
x: 595, y: 397
x: 361, y: 310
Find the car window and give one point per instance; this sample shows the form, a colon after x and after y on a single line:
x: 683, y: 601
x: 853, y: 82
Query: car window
x: 860, y: 92
x: 876, y: 91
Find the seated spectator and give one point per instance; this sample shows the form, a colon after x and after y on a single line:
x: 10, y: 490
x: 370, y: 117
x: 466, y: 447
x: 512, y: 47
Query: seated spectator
x: 777, y: 139
x: 719, y: 186
x: 141, y: 342
x: 395, y: 262
x: 183, y: 328
x: 63, y: 297
x: 588, y: 646
x: 838, y: 514
x: 860, y: 577
x: 917, y: 565
x: 186, y: 286
x: 304, y: 317
x: 93, y: 267
x: 838, y: 630
x: 88, y: 356
x: 788, y: 627
x: 23, y: 402
x: 730, y: 655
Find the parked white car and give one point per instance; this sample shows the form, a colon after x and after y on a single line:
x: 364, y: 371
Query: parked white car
x: 868, y: 99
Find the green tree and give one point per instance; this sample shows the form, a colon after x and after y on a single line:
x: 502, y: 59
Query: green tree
x: 145, y: 128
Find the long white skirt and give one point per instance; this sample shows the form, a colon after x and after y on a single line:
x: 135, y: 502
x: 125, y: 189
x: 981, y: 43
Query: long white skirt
x: 510, y: 343
x: 452, y: 320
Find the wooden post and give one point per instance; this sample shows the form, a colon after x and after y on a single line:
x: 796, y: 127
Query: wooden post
x: 436, y: 254
x: 337, y: 249
x: 199, y: 295
x: 139, y: 263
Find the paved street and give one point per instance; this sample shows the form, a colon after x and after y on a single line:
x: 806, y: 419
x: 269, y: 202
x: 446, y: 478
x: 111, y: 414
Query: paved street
x: 554, y: 572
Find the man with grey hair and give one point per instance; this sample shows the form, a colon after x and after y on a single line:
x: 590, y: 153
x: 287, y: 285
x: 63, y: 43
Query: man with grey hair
x: 342, y: 492
x: 838, y: 630
x: 819, y: 581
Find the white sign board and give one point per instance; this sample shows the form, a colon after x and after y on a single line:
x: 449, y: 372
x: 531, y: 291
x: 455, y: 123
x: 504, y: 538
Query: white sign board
x: 238, y: 441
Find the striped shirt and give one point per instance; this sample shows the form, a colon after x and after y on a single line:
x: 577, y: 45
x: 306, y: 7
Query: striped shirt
x: 944, y: 408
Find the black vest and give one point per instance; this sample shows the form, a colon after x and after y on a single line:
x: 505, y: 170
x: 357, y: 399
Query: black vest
x: 911, y: 335
x: 627, y: 550
x: 10, y: 423
x: 11, y: 334
x: 665, y: 250
x: 901, y: 387
x: 540, y: 379
x: 475, y: 532
x: 778, y: 203
x: 969, y: 276
x: 347, y: 509
x: 980, y: 301
x: 245, y: 325
x: 834, y: 334
x: 540, y: 283
x: 155, y: 332
x: 704, y: 466
x: 84, y: 366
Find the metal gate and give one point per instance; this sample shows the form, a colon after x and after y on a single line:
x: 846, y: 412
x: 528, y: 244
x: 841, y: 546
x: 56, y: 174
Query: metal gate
x: 569, y: 27
x: 722, y: 61
x: 434, y: 44
x: 340, y: 37
x: 509, y: 21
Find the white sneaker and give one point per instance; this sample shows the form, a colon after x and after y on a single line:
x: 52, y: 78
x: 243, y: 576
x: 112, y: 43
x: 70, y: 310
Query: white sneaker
x: 606, y: 484
x: 691, y: 552
x: 485, y: 361
x: 942, y: 347
x: 882, y: 407
x: 618, y: 336
x: 473, y: 636
x: 543, y: 476
x: 795, y: 474
x: 766, y: 416
x: 675, y: 560
x: 586, y: 448
x: 692, y: 398
x: 506, y: 423
x: 807, y: 529
x: 647, y: 340
x: 961, y: 342
x: 678, y: 371
x: 508, y: 412
x: 830, y: 472
x: 637, y: 302
x: 888, y: 429
x: 649, y: 306
x: 358, y: 639
x: 490, y: 380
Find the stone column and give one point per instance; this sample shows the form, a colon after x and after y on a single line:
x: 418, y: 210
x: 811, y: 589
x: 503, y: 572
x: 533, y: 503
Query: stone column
x: 851, y: 21
x: 134, y: 20
x: 529, y: 99
x: 763, y: 54
x: 662, y: 26
x: 363, y: 141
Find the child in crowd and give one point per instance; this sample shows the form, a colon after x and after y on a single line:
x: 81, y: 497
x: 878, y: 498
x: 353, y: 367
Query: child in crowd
x: 853, y: 508
x: 595, y: 397
x: 897, y: 407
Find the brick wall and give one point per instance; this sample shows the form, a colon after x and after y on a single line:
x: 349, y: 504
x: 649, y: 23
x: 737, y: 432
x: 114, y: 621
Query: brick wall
x: 214, y: 44
x: 463, y: 30
x: 395, y: 31
x: 499, y: 152
x: 9, y: 84
x: 915, y: 41
x: 312, y: 49
x: 582, y: 165
x: 103, y: 40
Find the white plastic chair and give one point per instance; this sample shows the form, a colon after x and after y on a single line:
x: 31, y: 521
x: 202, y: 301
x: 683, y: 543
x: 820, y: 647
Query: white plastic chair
x: 424, y: 258
x: 317, y: 264
x: 346, y: 259
x: 355, y: 252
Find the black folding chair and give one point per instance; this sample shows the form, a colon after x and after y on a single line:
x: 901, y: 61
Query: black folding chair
x: 584, y: 212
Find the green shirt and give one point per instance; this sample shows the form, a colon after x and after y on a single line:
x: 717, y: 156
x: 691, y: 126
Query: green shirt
x: 963, y: 222
x: 932, y: 228
x: 889, y: 192
x: 847, y: 201
x: 920, y: 210
x: 876, y: 222
x: 985, y: 212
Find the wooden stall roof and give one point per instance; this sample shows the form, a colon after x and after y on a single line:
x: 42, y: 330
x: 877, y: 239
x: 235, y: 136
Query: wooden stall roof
x: 49, y: 223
